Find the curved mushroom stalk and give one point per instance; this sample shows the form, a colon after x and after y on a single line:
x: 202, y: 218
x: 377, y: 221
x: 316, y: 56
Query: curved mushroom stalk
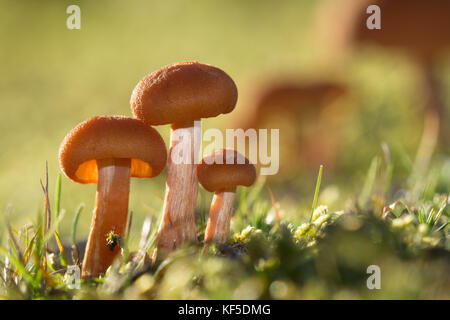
x: 110, y: 215
x: 218, y: 226
x: 178, y: 220
x: 435, y: 106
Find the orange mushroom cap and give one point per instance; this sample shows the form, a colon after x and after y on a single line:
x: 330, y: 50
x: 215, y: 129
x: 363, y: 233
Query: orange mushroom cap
x: 111, y: 137
x: 234, y: 170
x: 183, y: 92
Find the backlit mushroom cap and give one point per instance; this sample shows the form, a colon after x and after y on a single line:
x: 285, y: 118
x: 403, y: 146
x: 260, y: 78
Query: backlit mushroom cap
x: 183, y: 92
x: 111, y: 137
x: 233, y: 170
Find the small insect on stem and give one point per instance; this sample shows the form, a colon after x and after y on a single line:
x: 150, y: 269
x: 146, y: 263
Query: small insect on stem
x: 112, y: 240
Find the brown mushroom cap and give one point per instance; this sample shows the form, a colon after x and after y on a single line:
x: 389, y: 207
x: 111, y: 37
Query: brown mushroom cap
x: 421, y: 27
x: 234, y: 170
x: 183, y: 92
x: 111, y: 137
x: 288, y: 98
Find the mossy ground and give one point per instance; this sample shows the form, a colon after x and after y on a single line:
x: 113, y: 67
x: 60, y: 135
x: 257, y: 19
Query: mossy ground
x: 267, y: 257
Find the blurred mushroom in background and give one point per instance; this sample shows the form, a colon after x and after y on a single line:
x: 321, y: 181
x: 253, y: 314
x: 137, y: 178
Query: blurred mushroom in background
x: 419, y: 28
x: 309, y: 113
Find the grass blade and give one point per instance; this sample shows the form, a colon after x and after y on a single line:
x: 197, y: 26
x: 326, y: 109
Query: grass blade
x: 442, y: 227
x: 20, y: 267
x: 75, y: 223
x: 129, y: 223
x: 316, y: 193
x: 63, y: 256
x: 58, y: 197
x: 275, y: 206
x: 47, y: 217
x: 369, y: 183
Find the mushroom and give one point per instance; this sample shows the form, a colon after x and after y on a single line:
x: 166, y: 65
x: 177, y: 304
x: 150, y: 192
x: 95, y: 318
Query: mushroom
x: 221, y: 172
x: 312, y: 111
x: 108, y: 150
x: 293, y: 99
x: 418, y: 27
x: 180, y: 94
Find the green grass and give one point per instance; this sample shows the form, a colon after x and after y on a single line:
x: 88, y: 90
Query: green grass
x: 316, y: 193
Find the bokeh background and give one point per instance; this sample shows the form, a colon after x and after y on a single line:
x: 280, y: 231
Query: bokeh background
x: 53, y: 78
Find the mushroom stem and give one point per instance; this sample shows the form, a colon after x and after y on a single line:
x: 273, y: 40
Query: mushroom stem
x: 434, y: 107
x: 433, y: 128
x: 218, y: 226
x: 110, y: 215
x: 178, y: 220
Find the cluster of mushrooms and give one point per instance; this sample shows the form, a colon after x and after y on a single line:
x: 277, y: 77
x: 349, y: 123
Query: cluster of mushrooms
x: 108, y: 150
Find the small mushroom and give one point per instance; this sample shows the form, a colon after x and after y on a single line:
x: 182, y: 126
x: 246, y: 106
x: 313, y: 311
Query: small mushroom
x: 179, y: 94
x: 108, y: 150
x: 221, y: 172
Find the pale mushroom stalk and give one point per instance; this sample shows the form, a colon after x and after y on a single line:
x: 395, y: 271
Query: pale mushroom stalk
x: 110, y: 214
x: 435, y: 107
x: 178, y: 220
x: 219, y: 218
x: 433, y: 113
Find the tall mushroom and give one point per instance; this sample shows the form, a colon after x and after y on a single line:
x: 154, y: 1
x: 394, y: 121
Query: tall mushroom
x: 221, y: 172
x: 180, y: 94
x: 108, y: 150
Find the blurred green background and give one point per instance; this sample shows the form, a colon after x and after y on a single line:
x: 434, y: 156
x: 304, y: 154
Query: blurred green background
x: 53, y: 78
